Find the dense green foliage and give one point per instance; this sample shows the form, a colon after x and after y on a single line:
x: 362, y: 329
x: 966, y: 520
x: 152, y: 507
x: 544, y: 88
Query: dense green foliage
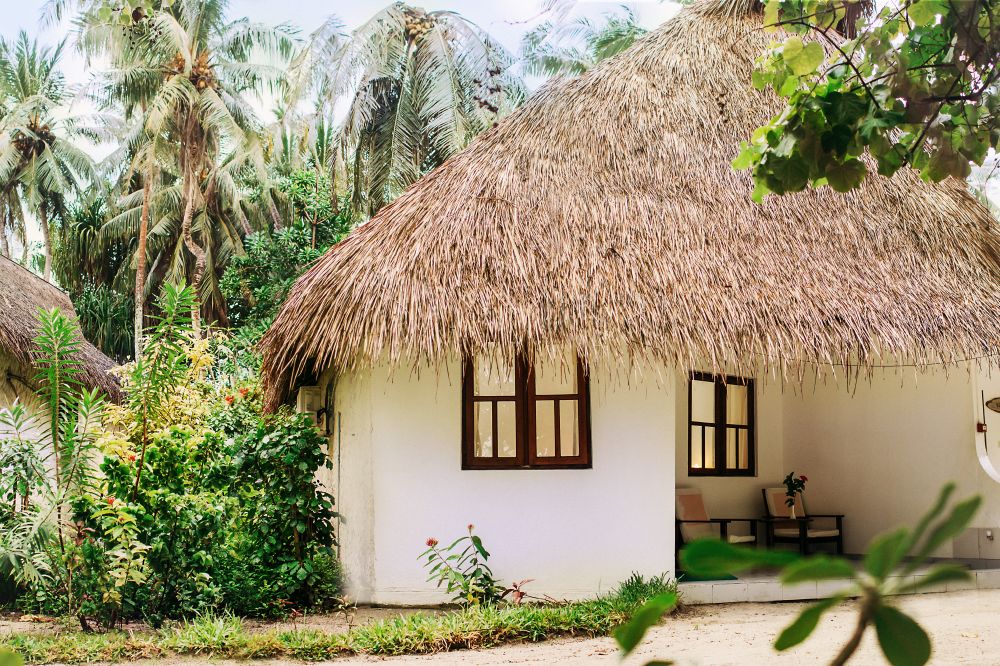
x: 916, y: 86
x: 184, y: 499
x: 473, y: 627
x: 256, y: 283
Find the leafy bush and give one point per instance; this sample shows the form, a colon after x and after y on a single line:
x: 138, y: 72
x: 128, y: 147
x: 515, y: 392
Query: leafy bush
x: 256, y: 284
x: 289, y: 518
x: 183, y: 500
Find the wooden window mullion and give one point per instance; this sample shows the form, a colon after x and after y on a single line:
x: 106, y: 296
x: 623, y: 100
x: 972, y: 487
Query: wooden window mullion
x: 495, y: 407
x: 557, y: 444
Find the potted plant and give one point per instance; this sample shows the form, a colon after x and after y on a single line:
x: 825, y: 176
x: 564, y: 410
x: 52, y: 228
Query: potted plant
x: 793, y: 486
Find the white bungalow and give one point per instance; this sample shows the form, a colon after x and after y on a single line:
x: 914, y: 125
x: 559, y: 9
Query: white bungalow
x: 584, y: 311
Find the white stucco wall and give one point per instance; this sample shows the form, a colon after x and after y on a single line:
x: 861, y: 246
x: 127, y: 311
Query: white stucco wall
x: 879, y: 451
x: 575, y: 532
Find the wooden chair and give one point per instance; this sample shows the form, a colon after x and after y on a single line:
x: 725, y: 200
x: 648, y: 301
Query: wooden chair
x: 780, y: 527
x: 693, y: 521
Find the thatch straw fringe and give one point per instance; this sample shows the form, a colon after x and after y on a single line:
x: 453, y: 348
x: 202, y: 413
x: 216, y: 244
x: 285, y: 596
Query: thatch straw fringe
x: 22, y: 295
x: 605, y: 214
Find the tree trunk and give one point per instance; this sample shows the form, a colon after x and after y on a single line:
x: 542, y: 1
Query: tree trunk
x: 140, y: 261
x: 4, y: 247
x: 196, y: 250
x: 43, y: 222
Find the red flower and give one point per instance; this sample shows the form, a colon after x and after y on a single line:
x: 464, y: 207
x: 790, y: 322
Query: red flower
x: 471, y: 527
x: 131, y: 457
x: 432, y: 542
x: 229, y: 399
x: 804, y: 477
x: 111, y: 500
x: 244, y: 391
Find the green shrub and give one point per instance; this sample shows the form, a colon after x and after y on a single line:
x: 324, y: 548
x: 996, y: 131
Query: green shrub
x: 198, y: 504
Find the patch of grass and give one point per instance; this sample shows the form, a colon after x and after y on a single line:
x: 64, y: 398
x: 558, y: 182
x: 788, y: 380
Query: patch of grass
x: 225, y: 637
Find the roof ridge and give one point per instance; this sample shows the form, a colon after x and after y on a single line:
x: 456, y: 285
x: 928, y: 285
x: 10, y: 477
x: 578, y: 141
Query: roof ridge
x: 35, y: 275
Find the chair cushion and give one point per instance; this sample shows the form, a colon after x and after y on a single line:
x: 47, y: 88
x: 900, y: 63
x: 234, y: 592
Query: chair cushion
x: 775, y: 500
x: 811, y: 534
x: 742, y: 538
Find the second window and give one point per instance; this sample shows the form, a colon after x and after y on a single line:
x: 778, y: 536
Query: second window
x: 721, y: 437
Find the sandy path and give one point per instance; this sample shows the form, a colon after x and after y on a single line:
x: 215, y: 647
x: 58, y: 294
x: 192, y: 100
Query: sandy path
x: 964, y: 628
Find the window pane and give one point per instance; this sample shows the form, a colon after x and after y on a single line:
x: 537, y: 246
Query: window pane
x: 737, y: 405
x: 483, y: 429
x: 710, y: 448
x: 731, y: 436
x: 556, y: 376
x: 744, y: 449
x: 545, y: 428
x: 494, y: 377
x: 569, y: 428
x: 702, y: 401
x: 507, y: 428
x: 695, y: 445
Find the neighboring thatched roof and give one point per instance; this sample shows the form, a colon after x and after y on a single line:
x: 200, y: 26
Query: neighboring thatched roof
x: 22, y: 295
x: 605, y: 214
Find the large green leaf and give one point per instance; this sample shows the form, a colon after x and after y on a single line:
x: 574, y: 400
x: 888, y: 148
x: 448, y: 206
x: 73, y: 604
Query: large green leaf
x: 846, y: 176
x: 8, y: 658
x: 886, y: 552
x: 903, y: 641
x: 820, y: 567
x: 630, y: 634
x: 959, y: 518
x: 803, y: 626
x: 711, y: 557
x: 924, y: 12
x: 804, y: 59
x: 941, y: 573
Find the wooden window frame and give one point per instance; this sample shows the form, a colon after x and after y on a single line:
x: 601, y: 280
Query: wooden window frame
x: 721, y: 383
x: 525, y: 401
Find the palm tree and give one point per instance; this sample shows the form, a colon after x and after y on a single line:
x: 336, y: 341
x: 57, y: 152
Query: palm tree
x: 185, y: 70
x: 12, y: 223
x: 561, y: 47
x: 421, y: 85
x: 100, y: 31
x: 38, y: 155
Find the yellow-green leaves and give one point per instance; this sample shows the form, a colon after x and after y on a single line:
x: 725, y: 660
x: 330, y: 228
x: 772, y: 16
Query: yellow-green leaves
x: 802, y: 58
x: 8, y: 658
x: 925, y: 12
x: 771, y: 10
x: 891, y: 90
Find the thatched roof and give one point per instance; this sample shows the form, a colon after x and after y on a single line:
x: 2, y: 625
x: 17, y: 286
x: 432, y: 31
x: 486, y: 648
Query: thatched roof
x: 22, y: 295
x: 605, y: 214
